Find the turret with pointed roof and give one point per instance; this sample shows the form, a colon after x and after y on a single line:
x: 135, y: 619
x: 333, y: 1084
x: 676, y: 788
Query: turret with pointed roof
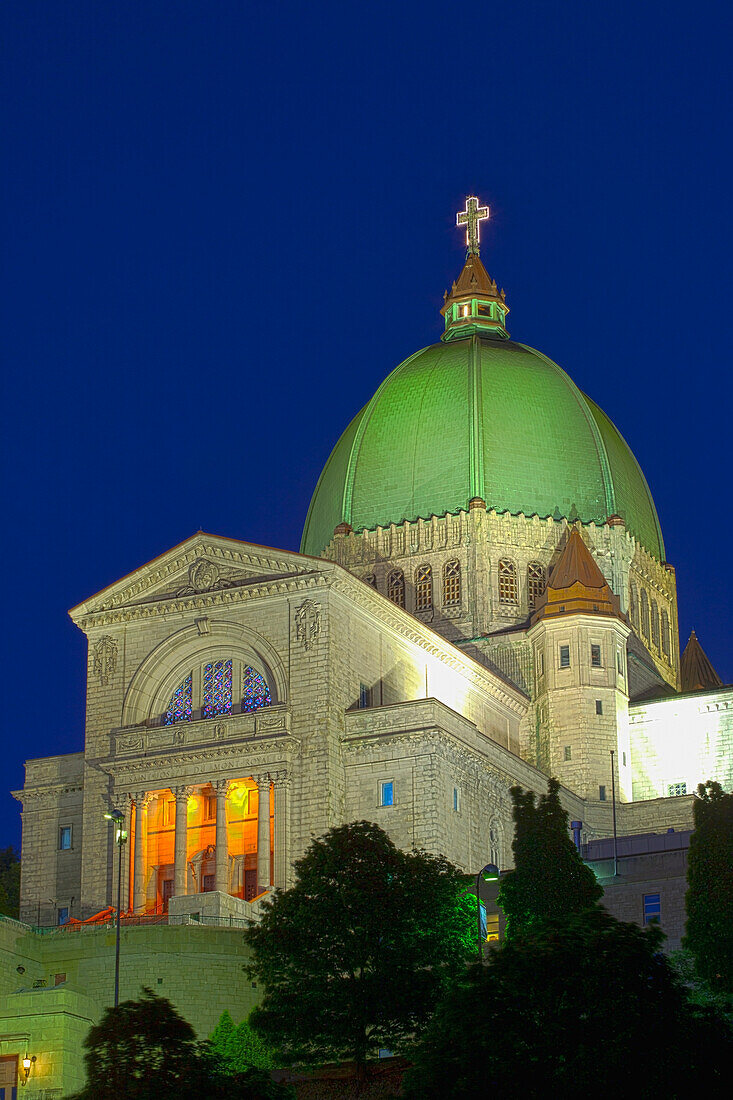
x: 577, y: 585
x: 696, y: 671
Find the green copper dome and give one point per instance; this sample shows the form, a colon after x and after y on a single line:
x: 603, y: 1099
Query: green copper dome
x: 480, y: 417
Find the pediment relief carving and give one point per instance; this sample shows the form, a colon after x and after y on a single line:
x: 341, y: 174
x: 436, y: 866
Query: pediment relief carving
x: 199, y: 567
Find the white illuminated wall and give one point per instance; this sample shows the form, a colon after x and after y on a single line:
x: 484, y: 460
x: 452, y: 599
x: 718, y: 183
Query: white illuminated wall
x: 688, y: 739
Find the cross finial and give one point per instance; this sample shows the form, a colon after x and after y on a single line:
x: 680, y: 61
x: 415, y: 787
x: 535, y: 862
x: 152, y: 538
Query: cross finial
x: 470, y: 217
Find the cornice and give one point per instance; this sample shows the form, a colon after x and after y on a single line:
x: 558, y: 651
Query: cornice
x: 46, y: 793
x: 277, y: 755
x: 204, y: 600
x: 406, y: 626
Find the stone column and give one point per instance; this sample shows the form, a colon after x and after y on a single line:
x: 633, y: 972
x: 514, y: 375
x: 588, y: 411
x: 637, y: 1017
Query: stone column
x: 263, y: 833
x: 280, y: 829
x: 139, y: 897
x: 179, y: 867
x: 221, y: 869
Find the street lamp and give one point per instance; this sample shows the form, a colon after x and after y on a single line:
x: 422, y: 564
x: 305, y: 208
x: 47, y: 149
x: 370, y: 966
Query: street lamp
x: 489, y: 873
x: 120, y: 837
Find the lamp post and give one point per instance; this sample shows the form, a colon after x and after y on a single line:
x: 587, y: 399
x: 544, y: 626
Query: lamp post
x: 489, y: 873
x: 120, y: 837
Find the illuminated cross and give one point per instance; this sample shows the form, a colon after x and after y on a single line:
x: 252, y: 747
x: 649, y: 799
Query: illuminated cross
x: 470, y: 217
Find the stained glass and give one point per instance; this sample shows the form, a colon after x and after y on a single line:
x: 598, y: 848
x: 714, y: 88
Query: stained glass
x: 217, y: 689
x: 255, y: 692
x: 180, y: 705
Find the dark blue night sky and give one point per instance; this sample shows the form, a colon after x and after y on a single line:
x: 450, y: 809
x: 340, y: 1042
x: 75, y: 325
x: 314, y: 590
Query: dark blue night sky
x: 225, y: 223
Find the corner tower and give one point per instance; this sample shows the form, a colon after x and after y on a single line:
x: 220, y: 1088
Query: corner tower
x: 578, y: 639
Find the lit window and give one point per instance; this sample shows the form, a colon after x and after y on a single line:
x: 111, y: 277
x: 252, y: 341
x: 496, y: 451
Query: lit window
x: 424, y: 588
x: 507, y: 581
x: 456, y: 800
x: 217, y: 689
x: 652, y: 907
x: 62, y: 915
x: 655, y: 624
x: 675, y: 789
x: 386, y: 793
x: 599, y: 706
x: 168, y: 812
x: 602, y: 793
x: 644, y: 613
x: 255, y: 692
x: 465, y: 311
x: 492, y: 927
x: 396, y: 587
x: 568, y: 752
x: 65, y: 838
x: 371, y: 580
x: 595, y: 656
x: 452, y: 583
x: 535, y: 583
x: 665, y: 634
x: 564, y: 656
x: 180, y: 707
x: 210, y: 807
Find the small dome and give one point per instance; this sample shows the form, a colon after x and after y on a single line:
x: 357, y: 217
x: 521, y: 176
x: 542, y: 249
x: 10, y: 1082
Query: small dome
x: 480, y: 416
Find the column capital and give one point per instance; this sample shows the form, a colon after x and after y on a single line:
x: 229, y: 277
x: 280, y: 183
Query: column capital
x: 182, y: 794
x: 140, y: 798
x: 221, y: 786
x: 264, y: 779
x: 280, y: 778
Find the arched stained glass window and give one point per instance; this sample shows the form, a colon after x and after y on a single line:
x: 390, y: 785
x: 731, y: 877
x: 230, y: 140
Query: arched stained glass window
x: 507, y: 581
x: 644, y: 613
x: 423, y: 588
x: 452, y: 583
x: 655, y: 624
x: 255, y: 692
x: 370, y: 579
x: 665, y: 633
x: 535, y: 583
x: 217, y: 685
x: 396, y: 587
x: 180, y: 707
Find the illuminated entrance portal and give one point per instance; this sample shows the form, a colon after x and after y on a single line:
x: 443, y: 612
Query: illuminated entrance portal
x: 195, y: 839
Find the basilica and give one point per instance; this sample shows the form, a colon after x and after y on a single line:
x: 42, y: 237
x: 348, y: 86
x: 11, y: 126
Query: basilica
x: 481, y: 599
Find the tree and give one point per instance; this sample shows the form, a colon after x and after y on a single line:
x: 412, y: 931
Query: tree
x: 238, y: 1047
x: 145, y: 1050
x: 709, y: 899
x: 356, y: 954
x: 550, y: 879
x: 9, y: 882
x: 571, y: 1008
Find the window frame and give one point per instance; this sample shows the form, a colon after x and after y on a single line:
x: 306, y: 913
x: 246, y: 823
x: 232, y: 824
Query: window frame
x: 384, y: 785
x: 396, y: 587
x: 507, y: 582
x: 536, y: 583
x: 599, y: 707
x: 651, y: 909
x: 66, y: 847
x: 452, y: 583
x: 196, y: 673
x: 562, y: 650
x: 424, y: 588
x: 596, y: 651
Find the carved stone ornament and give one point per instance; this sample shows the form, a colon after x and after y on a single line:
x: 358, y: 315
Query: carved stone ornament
x: 105, y: 659
x: 204, y: 576
x: 308, y: 623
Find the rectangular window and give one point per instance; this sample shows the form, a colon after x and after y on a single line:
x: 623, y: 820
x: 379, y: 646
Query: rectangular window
x: 602, y: 793
x: 676, y: 788
x: 568, y: 752
x: 364, y: 696
x: 599, y: 706
x: 623, y: 758
x: 620, y: 663
x: 210, y: 807
x: 65, y: 838
x: 59, y: 979
x: 492, y: 927
x: 456, y: 800
x: 168, y: 813
x: 542, y: 663
x: 564, y: 656
x: 386, y: 793
x: 652, y: 907
x: 62, y: 915
x: 595, y: 656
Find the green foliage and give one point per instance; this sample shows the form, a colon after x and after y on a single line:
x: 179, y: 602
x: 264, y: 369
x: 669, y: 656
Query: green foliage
x: 709, y: 899
x: 239, y: 1047
x: 550, y: 880
x: 357, y: 953
x: 145, y: 1050
x: 572, y: 1008
x: 9, y: 882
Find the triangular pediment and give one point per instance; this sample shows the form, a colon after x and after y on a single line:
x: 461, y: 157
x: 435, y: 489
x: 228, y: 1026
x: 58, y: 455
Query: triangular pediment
x: 198, y: 566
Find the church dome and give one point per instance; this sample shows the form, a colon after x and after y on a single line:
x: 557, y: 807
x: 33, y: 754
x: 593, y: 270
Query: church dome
x: 479, y: 415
